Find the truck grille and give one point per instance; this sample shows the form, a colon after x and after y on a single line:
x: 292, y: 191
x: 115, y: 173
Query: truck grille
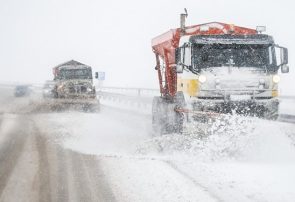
x: 78, y: 89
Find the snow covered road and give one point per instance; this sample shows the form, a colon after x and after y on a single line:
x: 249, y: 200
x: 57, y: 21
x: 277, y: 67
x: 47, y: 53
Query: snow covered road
x: 250, y: 162
x: 113, y: 156
x: 34, y: 168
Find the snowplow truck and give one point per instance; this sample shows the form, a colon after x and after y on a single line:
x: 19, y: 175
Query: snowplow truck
x: 215, y: 68
x: 74, y: 85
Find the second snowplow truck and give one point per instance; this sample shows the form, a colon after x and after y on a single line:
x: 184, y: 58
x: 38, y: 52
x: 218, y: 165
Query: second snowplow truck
x: 215, y: 68
x: 74, y: 86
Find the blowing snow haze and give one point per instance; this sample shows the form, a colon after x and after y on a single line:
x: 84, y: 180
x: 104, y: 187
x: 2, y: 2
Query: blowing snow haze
x: 115, y: 36
x: 218, y: 132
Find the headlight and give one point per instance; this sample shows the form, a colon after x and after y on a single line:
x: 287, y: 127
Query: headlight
x: 276, y: 78
x: 89, y: 89
x: 60, y: 87
x: 202, y: 78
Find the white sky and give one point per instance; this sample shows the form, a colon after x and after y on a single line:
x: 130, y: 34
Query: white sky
x: 114, y: 36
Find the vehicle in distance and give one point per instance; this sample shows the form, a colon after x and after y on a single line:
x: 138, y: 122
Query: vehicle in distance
x: 22, y: 90
x: 74, y: 85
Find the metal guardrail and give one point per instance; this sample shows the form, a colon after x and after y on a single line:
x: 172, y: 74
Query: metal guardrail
x: 138, y: 92
x: 121, y: 97
x: 130, y: 98
x: 289, y: 97
x: 288, y: 118
x: 143, y: 97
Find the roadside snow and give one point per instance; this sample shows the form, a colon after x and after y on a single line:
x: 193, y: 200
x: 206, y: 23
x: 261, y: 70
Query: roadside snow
x: 245, y: 160
x: 234, y: 138
x: 243, y: 181
x: 151, y: 180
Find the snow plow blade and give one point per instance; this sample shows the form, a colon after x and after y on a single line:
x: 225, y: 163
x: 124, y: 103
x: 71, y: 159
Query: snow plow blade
x: 86, y: 105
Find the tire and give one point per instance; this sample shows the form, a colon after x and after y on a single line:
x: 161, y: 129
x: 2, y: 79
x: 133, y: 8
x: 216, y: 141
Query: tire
x: 55, y: 95
x: 90, y: 107
x: 157, y: 116
x: 179, y: 99
x: 94, y: 108
x: 165, y: 119
x: 177, y: 126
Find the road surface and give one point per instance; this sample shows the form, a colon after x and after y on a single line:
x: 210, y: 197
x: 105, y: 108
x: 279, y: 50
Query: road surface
x: 33, y: 168
x: 113, y: 156
x: 37, y: 165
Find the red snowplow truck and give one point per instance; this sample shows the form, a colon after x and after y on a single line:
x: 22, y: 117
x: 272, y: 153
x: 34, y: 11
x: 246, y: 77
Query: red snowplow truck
x: 215, y: 68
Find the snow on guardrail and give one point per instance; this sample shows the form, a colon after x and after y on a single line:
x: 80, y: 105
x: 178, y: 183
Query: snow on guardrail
x: 138, y: 92
x: 137, y: 98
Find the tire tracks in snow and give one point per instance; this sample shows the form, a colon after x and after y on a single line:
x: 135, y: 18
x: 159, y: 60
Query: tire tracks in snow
x: 10, y: 151
x: 35, y: 167
x: 170, y: 165
x: 43, y: 170
x: 89, y: 179
x: 185, y: 175
x: 65, y: 175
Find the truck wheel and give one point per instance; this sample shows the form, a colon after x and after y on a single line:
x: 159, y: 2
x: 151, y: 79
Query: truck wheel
x: 90, y: 108
x: 55, y: 94
x: 157, y: 116
x: 164, y: 118
x: 177, y: 126
x: 94, y: 108
x: 179, y: 99
x: 179, y: 102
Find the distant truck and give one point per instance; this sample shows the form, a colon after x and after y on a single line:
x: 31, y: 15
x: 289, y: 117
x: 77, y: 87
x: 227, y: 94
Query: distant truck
x: 73, y: 84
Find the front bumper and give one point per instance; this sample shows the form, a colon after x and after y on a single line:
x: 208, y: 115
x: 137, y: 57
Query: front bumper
x: 76, y: 101
x: 252, y: 106
x: 80, y: 96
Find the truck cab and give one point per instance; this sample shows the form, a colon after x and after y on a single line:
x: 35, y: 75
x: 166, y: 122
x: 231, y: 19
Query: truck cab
x: 231, y: 73
x: 73, y: 80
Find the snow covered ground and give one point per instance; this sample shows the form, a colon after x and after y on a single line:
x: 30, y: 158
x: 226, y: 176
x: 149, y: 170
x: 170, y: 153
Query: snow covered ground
x: 243, y: 160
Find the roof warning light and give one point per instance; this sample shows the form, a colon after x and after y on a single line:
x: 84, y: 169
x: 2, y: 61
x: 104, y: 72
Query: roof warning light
x: 260, y: 29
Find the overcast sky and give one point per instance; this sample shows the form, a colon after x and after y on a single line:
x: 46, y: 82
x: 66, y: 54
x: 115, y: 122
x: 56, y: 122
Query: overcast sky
x: 115, y: 36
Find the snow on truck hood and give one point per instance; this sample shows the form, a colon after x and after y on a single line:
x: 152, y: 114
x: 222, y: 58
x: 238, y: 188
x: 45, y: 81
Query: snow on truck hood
x: 234, y: 77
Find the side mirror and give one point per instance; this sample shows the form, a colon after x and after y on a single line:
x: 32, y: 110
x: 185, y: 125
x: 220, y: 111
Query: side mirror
x: 284, y: 56
x: 285, y: 68
x: 281, y: 55
x: 96, y: 75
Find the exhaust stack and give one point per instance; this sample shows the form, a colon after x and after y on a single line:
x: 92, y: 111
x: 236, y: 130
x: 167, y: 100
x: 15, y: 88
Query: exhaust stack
x: 182, y: 21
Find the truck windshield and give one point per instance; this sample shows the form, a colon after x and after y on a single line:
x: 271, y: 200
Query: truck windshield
x: 236, y: 55
x: 75, y: 74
